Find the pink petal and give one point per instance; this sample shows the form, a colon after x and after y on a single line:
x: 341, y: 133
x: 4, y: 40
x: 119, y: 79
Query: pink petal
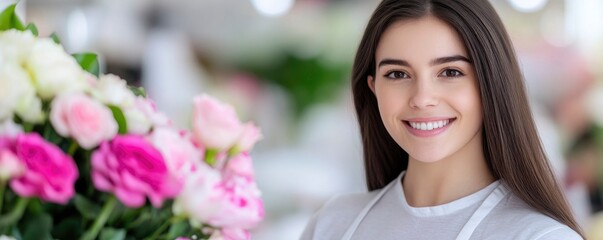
x: 129, y: 198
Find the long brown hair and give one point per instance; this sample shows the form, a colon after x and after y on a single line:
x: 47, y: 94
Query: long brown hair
x: 511, y: 144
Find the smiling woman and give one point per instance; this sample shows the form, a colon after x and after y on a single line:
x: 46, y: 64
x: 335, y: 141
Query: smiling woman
x: 450, y: 147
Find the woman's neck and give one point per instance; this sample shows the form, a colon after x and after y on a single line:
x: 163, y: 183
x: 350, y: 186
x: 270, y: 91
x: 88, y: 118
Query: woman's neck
x: 457, y: 176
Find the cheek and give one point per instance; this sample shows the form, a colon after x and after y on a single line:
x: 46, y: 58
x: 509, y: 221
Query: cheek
x: 390, y: 100
x: 469, y: 102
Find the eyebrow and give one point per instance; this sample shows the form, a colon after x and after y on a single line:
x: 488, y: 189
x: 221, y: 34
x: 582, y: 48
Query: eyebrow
x: 437, y: 61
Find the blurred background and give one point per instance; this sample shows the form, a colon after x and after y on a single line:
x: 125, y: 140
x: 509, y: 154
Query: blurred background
x: 285, y: 64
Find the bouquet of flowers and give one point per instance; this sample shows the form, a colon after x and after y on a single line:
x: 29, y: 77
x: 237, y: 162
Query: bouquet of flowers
x: 81, y: 153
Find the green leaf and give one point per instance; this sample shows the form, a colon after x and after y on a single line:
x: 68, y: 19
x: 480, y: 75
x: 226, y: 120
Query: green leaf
x: 69, y: 228
x: 178, y: 229
x: 32, y: 28
x: 88, y: 209
x: 88, y: 62
x: 10, y: 20
x: 16, y: 233
x: 38, y: 227
x: 112, y: 234
x: 120, y: 118
x: 138, y: 91
x: 55, y: 38
x: 51, y: 135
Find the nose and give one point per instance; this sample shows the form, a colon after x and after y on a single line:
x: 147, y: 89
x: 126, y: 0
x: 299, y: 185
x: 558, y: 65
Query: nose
x: 423, y: 95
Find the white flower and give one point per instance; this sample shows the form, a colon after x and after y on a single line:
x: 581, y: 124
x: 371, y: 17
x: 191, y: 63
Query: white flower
x: 137, y: 121
x: 53, y: 70
x: 4, y: 237
x: 112, y: 90
x: 17, y: 94
x: 10, y: 129
x: 15, y: 45
x: 143, y: 116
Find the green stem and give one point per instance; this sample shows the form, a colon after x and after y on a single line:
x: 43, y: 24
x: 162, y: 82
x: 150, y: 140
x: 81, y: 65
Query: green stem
x: 2, y: 188
x: 72, y: 148
x: 99, y: 223
x: 210, y: 156
x: 16, y: 214
x: 165, y: 225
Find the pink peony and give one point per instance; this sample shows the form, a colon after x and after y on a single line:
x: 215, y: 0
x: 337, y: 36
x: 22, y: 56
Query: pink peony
x: 131, y: 168
x: 86, y: 120
x: 49, y: 173
x: 240, y: 165
x: 178, y: 151
x: 215, y: 124
x: 233, y: 202
x: 241, y: 205
x: 249, y: 136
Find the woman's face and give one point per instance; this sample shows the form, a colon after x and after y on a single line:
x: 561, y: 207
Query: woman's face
x: 427, y: 90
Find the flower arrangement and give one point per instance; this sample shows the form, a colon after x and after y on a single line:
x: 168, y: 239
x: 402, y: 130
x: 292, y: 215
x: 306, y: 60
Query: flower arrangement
x: 81, y: 153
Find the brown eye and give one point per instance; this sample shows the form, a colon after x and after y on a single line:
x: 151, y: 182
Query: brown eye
x: 396, y: 75
x: 451, y: 73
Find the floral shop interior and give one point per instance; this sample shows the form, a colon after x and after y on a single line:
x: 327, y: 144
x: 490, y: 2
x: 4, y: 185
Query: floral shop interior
x: 286, y: 65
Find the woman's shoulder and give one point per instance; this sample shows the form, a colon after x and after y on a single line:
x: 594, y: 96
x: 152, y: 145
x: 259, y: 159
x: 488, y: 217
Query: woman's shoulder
x: 515, y: 219
x: 336, y: 215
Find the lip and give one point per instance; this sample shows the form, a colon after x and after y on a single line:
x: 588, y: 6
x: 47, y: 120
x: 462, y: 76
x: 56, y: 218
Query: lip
x: 427, y: 133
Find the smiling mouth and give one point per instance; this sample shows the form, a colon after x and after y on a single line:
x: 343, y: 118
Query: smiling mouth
x: 429, y: 125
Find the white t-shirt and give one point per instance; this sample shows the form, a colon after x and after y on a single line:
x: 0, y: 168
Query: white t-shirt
x: 392, y: 218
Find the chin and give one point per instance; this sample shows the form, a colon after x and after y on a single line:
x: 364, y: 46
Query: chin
x: 427, y: 157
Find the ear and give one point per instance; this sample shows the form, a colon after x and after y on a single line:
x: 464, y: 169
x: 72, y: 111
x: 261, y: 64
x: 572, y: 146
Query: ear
x: 371, y: 83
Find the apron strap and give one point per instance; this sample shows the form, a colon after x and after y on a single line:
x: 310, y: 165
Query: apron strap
x: 350, y: 232
x: 482, y: 211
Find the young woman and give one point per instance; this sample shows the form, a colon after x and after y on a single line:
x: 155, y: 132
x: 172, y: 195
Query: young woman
x: 450, y: 147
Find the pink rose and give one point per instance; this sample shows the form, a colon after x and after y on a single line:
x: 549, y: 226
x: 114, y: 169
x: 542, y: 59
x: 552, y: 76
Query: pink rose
x: 233, y: 202
x: 86, y: 120
x: 10, y: 165
x: 131, y: 168
x: 215, y: 124
x: 49, y: 173
x: 249, y: 136
x: 178, y: 151
x: 240, y: 165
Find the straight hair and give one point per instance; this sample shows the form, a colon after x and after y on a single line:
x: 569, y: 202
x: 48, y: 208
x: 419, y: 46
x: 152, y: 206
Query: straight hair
x: 511, y: 144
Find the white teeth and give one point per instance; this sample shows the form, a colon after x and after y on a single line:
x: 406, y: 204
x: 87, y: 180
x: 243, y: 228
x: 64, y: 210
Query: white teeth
x: 426, y: 126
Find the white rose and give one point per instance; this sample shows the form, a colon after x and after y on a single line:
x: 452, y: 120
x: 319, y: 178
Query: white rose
x: 53, y: 70
x: 143, y: 116
x: 9, y: 128
x: 112, y: 90
x: 17, y: 94
x: 137, y: 121
x: 15, y: 45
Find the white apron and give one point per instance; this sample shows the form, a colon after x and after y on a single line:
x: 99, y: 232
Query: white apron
x: 482, y: 211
